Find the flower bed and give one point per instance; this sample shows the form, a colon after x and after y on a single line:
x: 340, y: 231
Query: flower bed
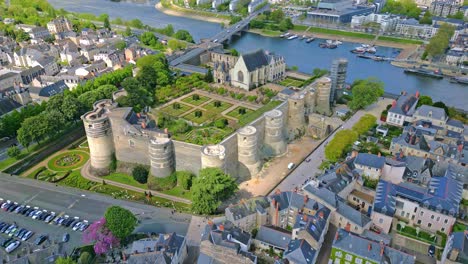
x: 68, y: 161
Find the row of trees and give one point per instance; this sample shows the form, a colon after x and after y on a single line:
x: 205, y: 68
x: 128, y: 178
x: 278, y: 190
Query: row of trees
x: 402, y: 7
x: 365, y: 92
x: 344, y: 139
x: 439, y: 43
x: 274, y: 20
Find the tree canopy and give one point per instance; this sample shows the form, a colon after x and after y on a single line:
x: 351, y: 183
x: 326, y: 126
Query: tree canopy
x: 365, y: 92
x: 440, y: 41
x: 120, y: 221
x: 424, y: 100
x: 67, y: 260
x: 402, y: 7
x: 210, y: 188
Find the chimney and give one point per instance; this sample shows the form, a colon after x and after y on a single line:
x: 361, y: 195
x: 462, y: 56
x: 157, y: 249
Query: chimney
x: 143, y: 125
x: 460, y: 148
x: 354, y: 154
x: 348, y: 227
x: 369, y: 247
x: 382, y: 248
x: 277, y: 214
x: 379, y: 154
x: 221, y: 227
x: 138, y: 115
x: 337, y: 235
x: 321, y: 214
x: 393, y: 103
x: 304, y: 217
x: 306, y: 198
x: 417, y: 94
x: 278, y: 191
x: 166, y: 131
x: 406, y: 108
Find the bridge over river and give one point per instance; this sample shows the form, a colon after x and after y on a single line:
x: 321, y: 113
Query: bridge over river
x: 222, y: 37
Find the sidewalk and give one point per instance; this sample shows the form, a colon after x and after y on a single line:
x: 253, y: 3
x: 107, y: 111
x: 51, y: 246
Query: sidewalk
x: 85, y: 173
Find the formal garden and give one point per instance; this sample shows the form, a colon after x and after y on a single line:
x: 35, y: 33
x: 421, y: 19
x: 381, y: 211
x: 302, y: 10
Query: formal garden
x: 288, y: 81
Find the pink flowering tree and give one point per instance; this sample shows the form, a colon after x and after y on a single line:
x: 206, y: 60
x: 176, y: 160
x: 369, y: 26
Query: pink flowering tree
x: 101, y: 236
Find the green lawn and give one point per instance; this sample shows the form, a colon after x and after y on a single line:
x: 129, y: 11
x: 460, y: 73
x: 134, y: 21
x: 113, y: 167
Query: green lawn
x: 422, y: 236
x: 179, y: 192
x: 170, y: 110
x: 249, y: 117
x: 199, y: 120
x: 53, y: 165
x: 9, y: 161
x: 201, y: 100
x: 291, y: 82
x: 459, y: 227
x: 125, y: 179
x: 217, y: 110
x: 235, y: 113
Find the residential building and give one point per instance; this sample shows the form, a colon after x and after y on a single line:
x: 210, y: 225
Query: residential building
x: 351, y: 248
x: 444, y: 8
x: 165, y: 249
x: 9, y: 79
x: 59, y: 25
x: 69, y: 52
x: 402, y: 109
x: 30, y: 74
x: 249, y: 214
x: 225, y: 243
x: 456, y: 56
x: 456, y: 249
x: 434, y: 115
x: 256, y: 68
x: 412, y: 29
x: 269, y: 236
x: 34, y: 32
x: 361, y: 201
x: 387, y: 22
x: 48, y: 64
x: 44, y: 93
x: 433, y: 208
x: 300, y: 252
x: 370, y: 165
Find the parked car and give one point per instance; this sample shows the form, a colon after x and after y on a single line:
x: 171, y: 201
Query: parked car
x: 76, y: 226
x: 10, y: 248
x: 49, y: 218
x: 6, y: 242
x: 431, y: 250
x: 27, y: 236
x: 40, y: 239
x: 65, y: 237
x: 37, y: 214
x: 84, y: 226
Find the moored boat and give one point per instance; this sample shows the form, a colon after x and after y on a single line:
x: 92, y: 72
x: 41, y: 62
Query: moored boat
x: 292, y: 37
x: 425, y: 72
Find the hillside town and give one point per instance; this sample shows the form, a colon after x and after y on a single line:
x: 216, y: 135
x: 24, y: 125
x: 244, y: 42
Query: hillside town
x: 122, y: 142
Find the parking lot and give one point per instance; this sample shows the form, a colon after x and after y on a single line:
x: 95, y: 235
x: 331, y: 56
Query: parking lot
x: 75, y: 202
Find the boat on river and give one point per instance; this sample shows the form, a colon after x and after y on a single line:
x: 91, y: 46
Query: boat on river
x: 285, y: 35
x: 310, y: 39
x: 292, y: 37
x: 326, y: 45
x: 462, y: 80
x: 425, y: 72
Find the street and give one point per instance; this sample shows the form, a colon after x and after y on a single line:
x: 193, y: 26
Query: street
x: 310, y: 166
x: 85, y: 205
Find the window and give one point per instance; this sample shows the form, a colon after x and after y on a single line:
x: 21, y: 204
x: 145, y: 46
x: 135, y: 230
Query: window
x: 412, y: 217
x: 240, y: 76
x: 438, y: 218
x: 355, y: 228
x: 407, y: 215
x: 354, y: 198
x: 429, y: 224
x: 415, y: 209
x: 402, y: 213
x: 419, y: 221
x: 380, y: 221
x: 445, y: 221
x: 442, y: 229
x: 432, y: 216
x: 421, y: 213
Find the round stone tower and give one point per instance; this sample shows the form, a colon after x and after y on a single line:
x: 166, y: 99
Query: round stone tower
x: 161, y: 156
x: 274, y: 141
x: 99, y: 134
x: 296, y: 114
x: 249, y: 158
x: 323, y: 90
x: 213, y: 156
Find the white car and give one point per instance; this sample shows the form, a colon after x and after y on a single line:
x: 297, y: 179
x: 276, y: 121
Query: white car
x: 27, y: 236
x: 77, y: 226
x: 12, y: 246
x: 37, y: 214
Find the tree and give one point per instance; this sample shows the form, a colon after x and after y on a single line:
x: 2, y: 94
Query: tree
x: 85, y: 258
x: 107, y: 23
x: 22, y: 36
x: 210, y: 188
x: 277, y: 15
x: 183, y: 35
x: 365, y: 123
x: 365, y: 92
x: 148, y: 38
x: 63, y: 260
x: 424, y: 100
x: 99, y: 234
x: 184, y: 179
x: 120, y: 221
x: 209, y: 76
x: 440, y: 41
x: 441, y: 105
x: 128, y: 31
x: 174, y: 44
x: 335, y: 149
x: 140, y: 174
x: 147, y: 76
x: 120, y: 45
x: 234, y: 52
x: 402, y: 7
x: 137, y: 96
x: 71, y: 108
x: 13, y: 152
x: 458, y: 15
x: 426, y: 19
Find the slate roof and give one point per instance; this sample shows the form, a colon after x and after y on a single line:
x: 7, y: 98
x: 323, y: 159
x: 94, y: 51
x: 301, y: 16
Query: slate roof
x: 455, y: 123
x: 7, y: 75
x: 248, y: 207
x: 460, y: 243
x: 442, y: 194
x: 418, y: 169
x: 370, y: 160
x: 274, y: 236
x: 222, y: 235
x: 314, y: 225
x: 7, y: 105
x: 254, y: 60
x: 369, y: 249
x: 437, y: 113
x: 299, y: 251
x: 170, y: 243
x: 290, y: 199
x: 413, y: 140
x: 405, y: 101
x: 53, y: 89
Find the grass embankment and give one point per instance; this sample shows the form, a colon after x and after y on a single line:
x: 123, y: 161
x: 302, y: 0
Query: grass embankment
x: 355, y: 34
x: 249, y: 117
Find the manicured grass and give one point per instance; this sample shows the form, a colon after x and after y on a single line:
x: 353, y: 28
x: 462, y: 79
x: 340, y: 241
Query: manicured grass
x: 179, y: 192
x: 199, y: 120
x: 459, y: 227
x: 235, y: 113
x: 53, y: 162
x: 207, y: 135
x: 291, y: 82
x: 249, y: 117
x: 170, y: 110
x: 217, y: 110
x: 201, y: 100
x: 422, y: 236
x: 7, y: 162
x: 356, y: 34
x: 75, y: 180
x: 125, y: 179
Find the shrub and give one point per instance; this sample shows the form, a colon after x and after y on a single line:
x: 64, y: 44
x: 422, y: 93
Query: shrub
x: 195, y: 97
x: 221, y: 123
x: 162, y: 184
x: 13, y: 152
x: 184, y: 179
x: 140, y: 174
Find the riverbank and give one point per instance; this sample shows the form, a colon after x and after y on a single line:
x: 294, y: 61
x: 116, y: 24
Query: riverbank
x: 174, y: 10
x: 407, y: 49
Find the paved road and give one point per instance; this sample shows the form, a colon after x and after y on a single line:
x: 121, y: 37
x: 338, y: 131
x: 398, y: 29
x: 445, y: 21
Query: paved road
x: 306, y: 169
x: 85, y: 173
x: 88, y: 205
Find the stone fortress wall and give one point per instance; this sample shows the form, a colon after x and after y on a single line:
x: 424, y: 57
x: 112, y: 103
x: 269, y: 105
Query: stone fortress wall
x: 121, y: 133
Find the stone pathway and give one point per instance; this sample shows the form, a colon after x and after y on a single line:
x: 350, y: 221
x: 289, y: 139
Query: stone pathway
x: 85, y: 173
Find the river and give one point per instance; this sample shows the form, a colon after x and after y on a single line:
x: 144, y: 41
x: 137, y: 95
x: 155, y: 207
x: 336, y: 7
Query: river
x: 306, y: 56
